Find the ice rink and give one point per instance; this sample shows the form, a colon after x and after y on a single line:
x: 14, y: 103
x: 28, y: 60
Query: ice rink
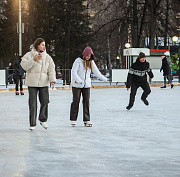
x: 142, y: 142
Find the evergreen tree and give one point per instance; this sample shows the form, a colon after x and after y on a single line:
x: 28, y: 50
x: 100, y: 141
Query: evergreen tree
x: 8, y: 35
x: 64, y: 26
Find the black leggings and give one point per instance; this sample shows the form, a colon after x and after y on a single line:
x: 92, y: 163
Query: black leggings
x: 19, y: 78
x: 134, y: 87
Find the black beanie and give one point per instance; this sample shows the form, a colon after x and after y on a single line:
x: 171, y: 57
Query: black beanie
x: 142, y: 55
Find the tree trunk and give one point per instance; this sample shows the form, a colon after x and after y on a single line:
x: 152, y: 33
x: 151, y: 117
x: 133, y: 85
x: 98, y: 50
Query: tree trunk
x: 152, y: 24
x: 166, y: 25
x: 154, y: 6
x: 135, y: 41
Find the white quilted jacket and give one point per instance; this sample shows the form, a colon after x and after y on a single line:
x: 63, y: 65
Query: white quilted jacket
x: 38, y: 73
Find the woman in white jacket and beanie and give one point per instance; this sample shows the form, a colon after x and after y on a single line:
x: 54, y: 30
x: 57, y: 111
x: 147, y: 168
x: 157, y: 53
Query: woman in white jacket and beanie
x: 81, y: 83
x: 40, y: 72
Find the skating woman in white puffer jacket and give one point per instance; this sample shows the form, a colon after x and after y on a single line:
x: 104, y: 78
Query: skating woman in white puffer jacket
x: 81, y: 83
x: 40, y: 72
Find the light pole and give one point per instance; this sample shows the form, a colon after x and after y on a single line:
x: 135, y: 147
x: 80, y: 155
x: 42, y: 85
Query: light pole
x: 20, y: 30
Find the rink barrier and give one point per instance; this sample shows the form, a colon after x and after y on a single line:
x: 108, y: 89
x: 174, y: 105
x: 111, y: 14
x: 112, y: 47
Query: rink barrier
x: 120, y: 75
x: 93, y: 87
x: 3, y: 76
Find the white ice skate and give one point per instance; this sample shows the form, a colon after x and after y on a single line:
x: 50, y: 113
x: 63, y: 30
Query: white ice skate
x: 31, y: 128
x: 44, y: 125
x: 87, y: 124
x: 73, y: 123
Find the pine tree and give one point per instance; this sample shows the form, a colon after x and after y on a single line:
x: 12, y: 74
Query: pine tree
x: 64, y: 26
x: 8, y: 35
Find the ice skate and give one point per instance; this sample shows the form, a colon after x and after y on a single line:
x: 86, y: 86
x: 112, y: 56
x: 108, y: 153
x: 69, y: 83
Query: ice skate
x: 22, y: 93
x: 87, y: 124
x: 73, y: 123
x: 129, y: 107
x: 163, y: 86
x: 44, y: 125
x: 31, y: 128
x: 172, y: 86
x: 145, y: 101
x: 17, y: 93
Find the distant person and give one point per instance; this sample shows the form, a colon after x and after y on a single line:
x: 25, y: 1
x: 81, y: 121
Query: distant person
x: 19, y: 72
x: 179, y: 70
x: 137, y: 77
x: 40, y: 72
x: 81, y: 83
x: 10, y: 73
x: 166, y: 71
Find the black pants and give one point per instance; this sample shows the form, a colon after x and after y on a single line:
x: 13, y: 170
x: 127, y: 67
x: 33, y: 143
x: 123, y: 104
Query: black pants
x: 44, y: 100
x: 168, y: 77
x: 75, y: 104
x: 19, y: 78
x: 134, y: 87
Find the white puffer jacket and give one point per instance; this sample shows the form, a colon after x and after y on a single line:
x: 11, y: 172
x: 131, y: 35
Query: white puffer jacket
x: 81, y: 75
x: 38, y: 73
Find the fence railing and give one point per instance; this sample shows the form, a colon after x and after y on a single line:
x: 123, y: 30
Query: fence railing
x: 63, y: 76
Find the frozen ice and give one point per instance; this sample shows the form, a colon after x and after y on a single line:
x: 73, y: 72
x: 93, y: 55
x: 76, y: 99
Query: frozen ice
x: 142, y: 142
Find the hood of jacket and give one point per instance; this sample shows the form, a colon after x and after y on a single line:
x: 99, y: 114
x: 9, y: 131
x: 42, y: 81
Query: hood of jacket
x: 88, y: 51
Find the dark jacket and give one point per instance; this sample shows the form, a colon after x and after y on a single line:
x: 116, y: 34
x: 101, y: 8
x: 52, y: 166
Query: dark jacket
x: 137, y: 73
x: 18, y: 69
x: 165, y: 67
x: 11, y: 69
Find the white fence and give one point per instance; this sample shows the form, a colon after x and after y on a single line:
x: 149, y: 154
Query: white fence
x: 2, y: 77
x: 120, y: 75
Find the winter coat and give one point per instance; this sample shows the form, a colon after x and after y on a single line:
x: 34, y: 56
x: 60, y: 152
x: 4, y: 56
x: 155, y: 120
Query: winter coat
x: 81, y: 75
x: 38, y: 73
x: 137, y: 73
x: 10, y: 69
x: 18, y: 69
x: 165, y: 67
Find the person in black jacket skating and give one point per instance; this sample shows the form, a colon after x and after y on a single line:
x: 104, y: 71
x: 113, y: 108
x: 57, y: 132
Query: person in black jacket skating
x: 10, y: 71
x: 137, y: 78
x: 19, y: 74
x: 166, y: 71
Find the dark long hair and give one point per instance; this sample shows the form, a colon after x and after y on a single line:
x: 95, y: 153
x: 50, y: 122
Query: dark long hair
x: 37, y: 42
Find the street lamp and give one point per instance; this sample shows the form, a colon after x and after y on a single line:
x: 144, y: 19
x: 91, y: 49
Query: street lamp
x: 20, y: 30
x: 175, y: 39
x: 127, y: 45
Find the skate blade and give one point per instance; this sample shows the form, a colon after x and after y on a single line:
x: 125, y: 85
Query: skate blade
x: 73, y: 124
x: 44, y: 127
x: 89, y: 125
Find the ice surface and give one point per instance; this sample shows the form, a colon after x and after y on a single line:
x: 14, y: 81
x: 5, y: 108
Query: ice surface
x: 143, y: 142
